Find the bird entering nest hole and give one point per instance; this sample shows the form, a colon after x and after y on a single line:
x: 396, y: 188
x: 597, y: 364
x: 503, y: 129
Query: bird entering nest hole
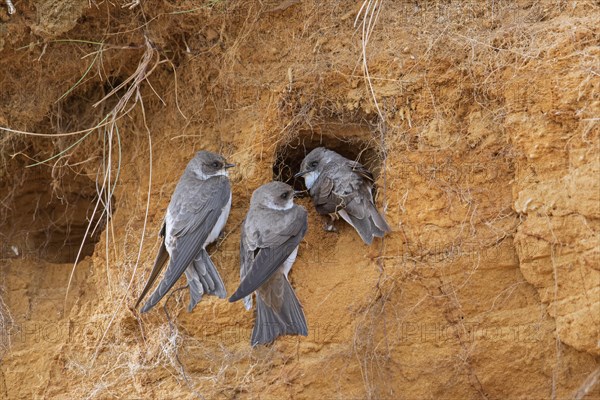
x: 355, y: 144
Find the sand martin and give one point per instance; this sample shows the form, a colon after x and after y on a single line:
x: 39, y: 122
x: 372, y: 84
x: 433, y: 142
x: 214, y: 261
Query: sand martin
x: 196, y: 215
x: 343, y: 187
x: 271, y: 234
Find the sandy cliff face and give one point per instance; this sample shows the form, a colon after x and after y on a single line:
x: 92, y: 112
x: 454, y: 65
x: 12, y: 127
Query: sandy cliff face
x: 484, y: 139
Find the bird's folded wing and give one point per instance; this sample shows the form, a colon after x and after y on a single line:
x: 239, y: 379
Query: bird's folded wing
x: 246, y: 254
x: 192, y: 202
x: 161, y: 259
x: 322, y: 194
x: 193, y: 227
x: 360, y: 169
x: 338, y: 185
x: 270, y: 258
x: 246, y: 259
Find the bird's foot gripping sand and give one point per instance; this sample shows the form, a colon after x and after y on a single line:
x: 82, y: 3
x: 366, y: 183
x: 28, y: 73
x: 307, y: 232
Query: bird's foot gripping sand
x: 479, y: 121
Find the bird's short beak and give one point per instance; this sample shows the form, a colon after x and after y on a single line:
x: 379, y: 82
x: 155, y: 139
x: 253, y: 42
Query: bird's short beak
x: 299, y: 193
x: 301, y: 173
x: 227, y: 166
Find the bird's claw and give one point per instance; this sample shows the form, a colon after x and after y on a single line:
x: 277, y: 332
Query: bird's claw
x: 11, y: 7
x: 329, y: 227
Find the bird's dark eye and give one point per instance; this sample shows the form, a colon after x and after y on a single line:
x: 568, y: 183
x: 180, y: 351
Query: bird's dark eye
x: 284, y: 195
x: 314, y: 164
x: 216, y: 164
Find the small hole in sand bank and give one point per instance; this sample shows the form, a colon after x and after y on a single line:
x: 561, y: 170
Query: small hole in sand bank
x: 49, y: 222
x: 353, y: 141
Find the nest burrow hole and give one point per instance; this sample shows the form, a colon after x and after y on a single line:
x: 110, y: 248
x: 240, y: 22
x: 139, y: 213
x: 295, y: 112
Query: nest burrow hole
x: 353, y: 141
x: 50, y: 223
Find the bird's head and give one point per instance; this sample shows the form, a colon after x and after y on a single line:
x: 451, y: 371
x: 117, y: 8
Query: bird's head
x: 274, y: 195
x: 206, y: 164
x: 313, y: 164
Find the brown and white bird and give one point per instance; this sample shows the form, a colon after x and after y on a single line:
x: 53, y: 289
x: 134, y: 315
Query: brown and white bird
x: 343, y: 187
x: 196, y: 215
x: 271, y: 234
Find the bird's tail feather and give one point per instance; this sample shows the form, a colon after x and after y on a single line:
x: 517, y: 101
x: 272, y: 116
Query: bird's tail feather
x: 270, y: 323
x: 371, y: 226
x: 379, y: 221
x: 203, y: 278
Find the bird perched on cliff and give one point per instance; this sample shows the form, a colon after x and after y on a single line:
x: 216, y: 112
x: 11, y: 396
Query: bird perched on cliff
x: 271, y: 234
x: 343, y: 187
x: 197, y: 213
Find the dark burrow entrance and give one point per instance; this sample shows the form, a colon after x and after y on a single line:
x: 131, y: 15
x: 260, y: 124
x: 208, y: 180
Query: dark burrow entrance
x: 47, y: 219
x: 353, y: 141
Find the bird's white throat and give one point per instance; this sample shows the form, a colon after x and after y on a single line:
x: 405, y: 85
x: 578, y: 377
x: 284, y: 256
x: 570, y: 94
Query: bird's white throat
x: 310, y: 178
x: 202, y: 176
x: 274, y: 206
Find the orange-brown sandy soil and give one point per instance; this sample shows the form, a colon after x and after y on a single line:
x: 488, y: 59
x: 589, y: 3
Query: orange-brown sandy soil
x: 479, y: 119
